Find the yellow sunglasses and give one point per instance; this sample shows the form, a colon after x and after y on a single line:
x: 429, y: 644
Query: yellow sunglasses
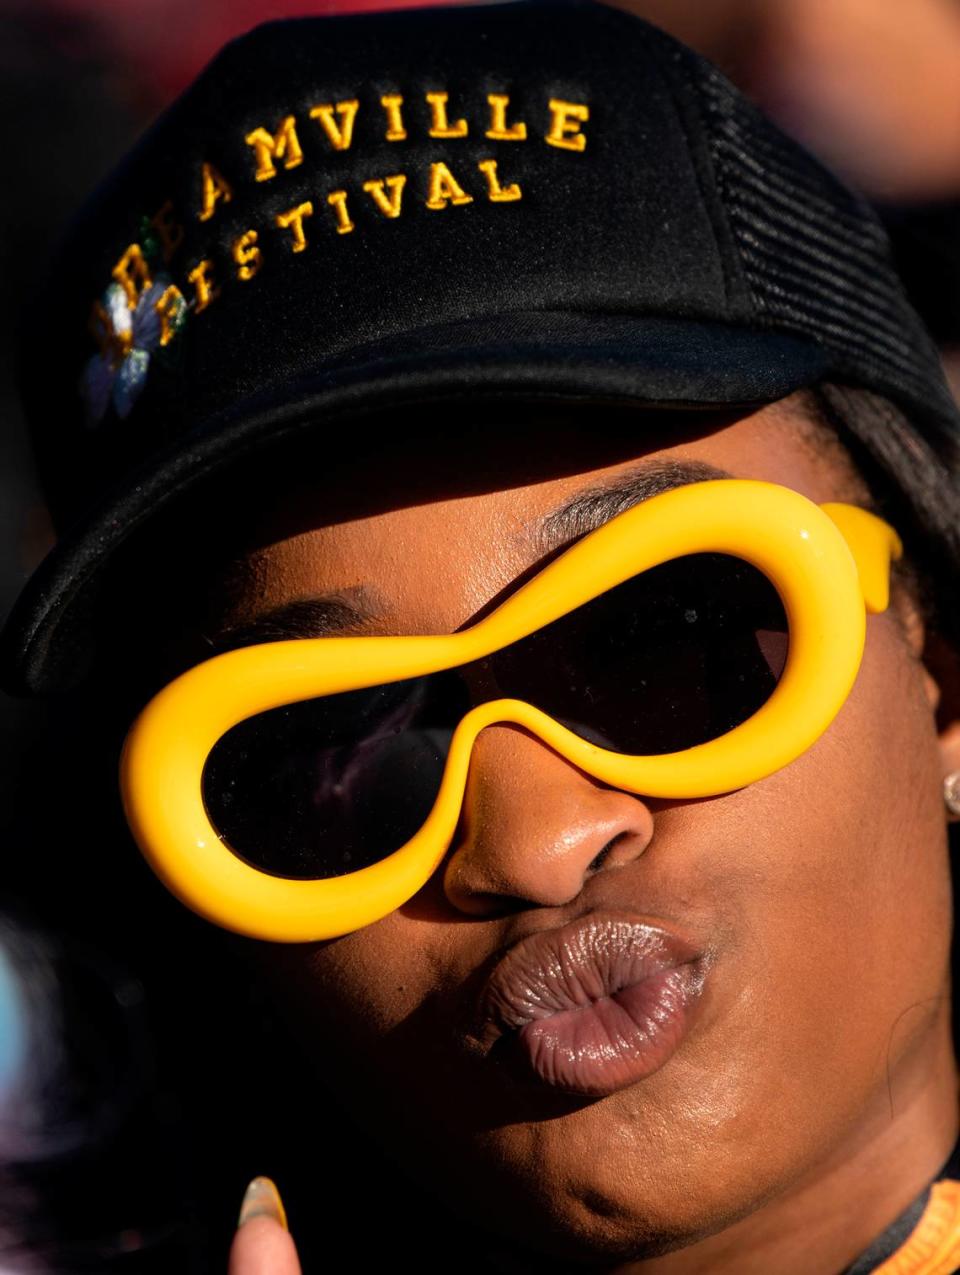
x: 698, y: 642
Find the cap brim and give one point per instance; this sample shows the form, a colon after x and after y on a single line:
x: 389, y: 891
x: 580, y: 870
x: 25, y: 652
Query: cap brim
x: 652, y: 362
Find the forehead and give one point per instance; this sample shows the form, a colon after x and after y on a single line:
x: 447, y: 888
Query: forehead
x: 428, y: 536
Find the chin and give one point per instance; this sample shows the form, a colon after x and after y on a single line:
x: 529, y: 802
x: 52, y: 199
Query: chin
x: 588, y: 1230
x: 532, y: 1187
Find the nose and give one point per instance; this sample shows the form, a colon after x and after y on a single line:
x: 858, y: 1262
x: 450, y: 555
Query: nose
x: 534, y: 827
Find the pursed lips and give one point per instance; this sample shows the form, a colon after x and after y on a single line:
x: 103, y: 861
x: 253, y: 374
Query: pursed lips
x: 593, y: 1005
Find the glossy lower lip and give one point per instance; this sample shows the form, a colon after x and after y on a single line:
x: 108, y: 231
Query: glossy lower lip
x: 593, y: 1006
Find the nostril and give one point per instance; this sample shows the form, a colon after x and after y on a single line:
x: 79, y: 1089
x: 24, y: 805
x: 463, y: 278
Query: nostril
x: 597, y: 862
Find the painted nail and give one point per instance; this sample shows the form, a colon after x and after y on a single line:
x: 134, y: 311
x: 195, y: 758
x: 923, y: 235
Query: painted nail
x: 262, y: 1198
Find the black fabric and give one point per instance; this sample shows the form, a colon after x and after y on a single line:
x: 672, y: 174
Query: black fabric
x: 668, y: 247
x: 926, y: 250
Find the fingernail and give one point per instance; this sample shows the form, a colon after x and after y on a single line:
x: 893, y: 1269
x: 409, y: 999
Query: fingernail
x: 262, y: 1198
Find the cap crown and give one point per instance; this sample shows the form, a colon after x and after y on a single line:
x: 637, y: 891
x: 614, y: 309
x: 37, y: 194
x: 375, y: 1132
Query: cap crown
x: 330, y: 186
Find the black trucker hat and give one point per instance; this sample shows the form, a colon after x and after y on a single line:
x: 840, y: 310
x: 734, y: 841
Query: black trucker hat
x: 540, y: 200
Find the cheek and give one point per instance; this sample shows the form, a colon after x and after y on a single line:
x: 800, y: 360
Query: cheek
x: 874, y: 796
x: 843, y: 896
x: 362, y: 985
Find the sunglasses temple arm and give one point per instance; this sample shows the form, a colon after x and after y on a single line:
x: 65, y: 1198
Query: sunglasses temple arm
x: 874, y: 544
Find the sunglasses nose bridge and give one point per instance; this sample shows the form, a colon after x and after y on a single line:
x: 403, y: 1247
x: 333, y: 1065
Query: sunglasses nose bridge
x: 502, y: 711
x: 522, y: 829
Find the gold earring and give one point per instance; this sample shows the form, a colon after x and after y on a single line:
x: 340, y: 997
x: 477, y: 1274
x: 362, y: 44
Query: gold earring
x: 951, y: 792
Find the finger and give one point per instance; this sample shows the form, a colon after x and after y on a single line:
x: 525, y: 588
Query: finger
x: 262, y: 1244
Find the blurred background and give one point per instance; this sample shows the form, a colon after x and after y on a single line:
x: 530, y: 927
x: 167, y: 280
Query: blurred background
x: 872, y: 87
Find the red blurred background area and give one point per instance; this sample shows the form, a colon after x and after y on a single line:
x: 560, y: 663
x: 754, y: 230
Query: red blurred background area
x: 167, y: 42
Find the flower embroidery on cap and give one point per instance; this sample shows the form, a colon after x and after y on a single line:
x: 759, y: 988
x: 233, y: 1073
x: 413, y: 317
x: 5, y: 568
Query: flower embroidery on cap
x: 128, y: 338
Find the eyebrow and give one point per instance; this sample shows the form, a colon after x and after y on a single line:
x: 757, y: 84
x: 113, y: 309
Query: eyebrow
x: 319, y: 615
x: 590, y: 508
x: 351, y: 611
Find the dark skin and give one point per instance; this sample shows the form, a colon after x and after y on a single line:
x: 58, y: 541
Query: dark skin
x: 817, y: 1092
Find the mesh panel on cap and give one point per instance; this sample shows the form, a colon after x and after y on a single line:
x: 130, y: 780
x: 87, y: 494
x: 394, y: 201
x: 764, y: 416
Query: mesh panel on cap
x: 815, y: 258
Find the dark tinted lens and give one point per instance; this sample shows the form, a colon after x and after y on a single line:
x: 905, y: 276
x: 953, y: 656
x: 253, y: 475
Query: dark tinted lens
x: 330, y: 785
x: 668, y: 659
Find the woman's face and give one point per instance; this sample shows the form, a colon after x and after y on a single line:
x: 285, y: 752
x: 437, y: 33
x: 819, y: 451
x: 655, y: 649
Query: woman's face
x: 819, y: 897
